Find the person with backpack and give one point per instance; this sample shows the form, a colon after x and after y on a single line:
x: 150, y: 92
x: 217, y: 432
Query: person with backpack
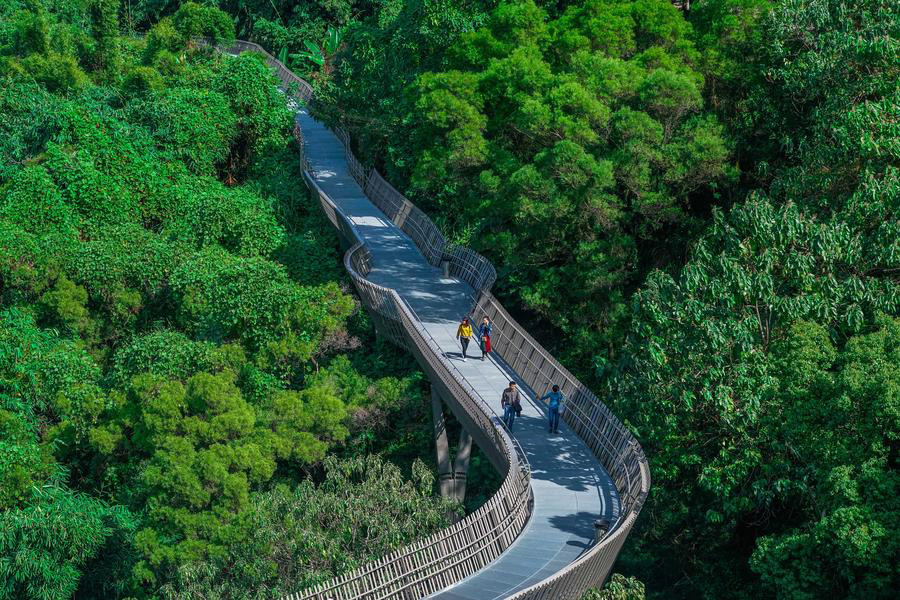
x: 554, y: 399
x: 484, y: 335
x: 511, y: 403
x: 464, y: 335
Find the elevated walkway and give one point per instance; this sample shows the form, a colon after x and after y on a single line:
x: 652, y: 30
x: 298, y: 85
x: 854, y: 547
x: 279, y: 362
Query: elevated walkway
x: 570, y: 487
x: 534, y: 538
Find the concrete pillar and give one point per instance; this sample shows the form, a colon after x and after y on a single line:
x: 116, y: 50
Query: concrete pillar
x: 451, y: 474
x: 461, y: 464
x: 441, y: 447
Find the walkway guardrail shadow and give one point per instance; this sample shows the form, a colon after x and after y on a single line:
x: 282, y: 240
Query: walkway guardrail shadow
x: 450, y: 555
x: 431, y: 564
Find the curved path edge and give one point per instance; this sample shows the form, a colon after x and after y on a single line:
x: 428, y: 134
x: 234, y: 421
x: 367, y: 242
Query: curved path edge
x: 376, y: 221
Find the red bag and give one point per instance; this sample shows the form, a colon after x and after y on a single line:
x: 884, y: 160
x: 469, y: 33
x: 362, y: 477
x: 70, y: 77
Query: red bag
x: 487, y: 343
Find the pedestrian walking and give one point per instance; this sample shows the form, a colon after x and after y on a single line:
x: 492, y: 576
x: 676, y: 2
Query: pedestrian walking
x: 464, y: 335
x: 485, y: 330
x: 511, y: 403
x: 554, y: 399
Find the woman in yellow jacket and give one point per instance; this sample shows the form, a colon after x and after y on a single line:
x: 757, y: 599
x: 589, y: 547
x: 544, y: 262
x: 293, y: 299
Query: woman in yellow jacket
x: 464, y: 334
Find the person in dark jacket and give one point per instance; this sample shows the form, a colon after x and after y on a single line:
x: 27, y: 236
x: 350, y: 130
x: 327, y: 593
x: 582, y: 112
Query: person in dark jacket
x: 554, y: 400
x: 485, y: 330
x: 511, y: 403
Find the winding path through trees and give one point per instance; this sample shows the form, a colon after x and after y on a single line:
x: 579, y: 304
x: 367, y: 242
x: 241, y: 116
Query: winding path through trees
x: 535, y: 537
x: 571, y: 490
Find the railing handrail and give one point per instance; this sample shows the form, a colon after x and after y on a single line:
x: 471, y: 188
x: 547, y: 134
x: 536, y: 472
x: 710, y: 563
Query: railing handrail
x: 401, y: 301
x: 613, y: 445
x: 515, y: 486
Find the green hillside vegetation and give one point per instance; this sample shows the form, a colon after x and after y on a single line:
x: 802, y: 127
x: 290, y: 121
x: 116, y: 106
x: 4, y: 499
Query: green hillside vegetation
x: 695, y: 207
x: 188, y: 394
x: 699, y: 211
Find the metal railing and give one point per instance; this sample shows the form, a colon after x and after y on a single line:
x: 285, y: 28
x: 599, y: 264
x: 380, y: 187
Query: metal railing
x: 465, y: 547
x: 464, y: 263
x: 609, y: 440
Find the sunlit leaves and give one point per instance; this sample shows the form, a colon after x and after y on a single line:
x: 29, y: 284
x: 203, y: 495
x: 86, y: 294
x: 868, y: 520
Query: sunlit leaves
x: 299, y: 536
x: 618, y: 587
x: 197, y: 126
x: 205, y: 446
x: 553, y: 133
x: 45, y: 545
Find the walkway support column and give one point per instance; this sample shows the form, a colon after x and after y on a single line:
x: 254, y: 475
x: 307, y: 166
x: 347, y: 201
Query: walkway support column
x: 441, y: 447
x: 451, y: 474
x: 461, y: 464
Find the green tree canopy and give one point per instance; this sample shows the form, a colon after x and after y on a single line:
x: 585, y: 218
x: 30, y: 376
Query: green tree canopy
x: 568, y: 149
x: 364, y: 507
x: 167, y: 296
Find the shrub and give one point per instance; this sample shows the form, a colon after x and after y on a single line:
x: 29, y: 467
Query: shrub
x: 34, y: 202
x: 196, y: 126
x: 296, y: 537
x: 194, y: 20
x: 122, y: 256
x: 162, y: 37
x: 169, y: 354
x: 31, y: 30
x: 56, y: 72
x: 140, y: 80
x: 30, y: 118
x: 105, y: 31
x: 22, y: 461
x: 263, y: 117
x: 237, y: 219
x: 92, y: 194
x: 49, y: 541
x: 223, y: 297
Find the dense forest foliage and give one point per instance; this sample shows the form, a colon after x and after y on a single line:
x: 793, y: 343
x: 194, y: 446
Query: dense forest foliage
x: 695, y: 207
x: 191, y: 404
x: 698, y: 208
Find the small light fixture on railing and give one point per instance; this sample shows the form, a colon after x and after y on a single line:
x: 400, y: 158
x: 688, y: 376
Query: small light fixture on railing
x: 601, y: 528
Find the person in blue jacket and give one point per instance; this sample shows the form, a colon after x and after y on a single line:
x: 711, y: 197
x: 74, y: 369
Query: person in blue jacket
x: 485, y: 330
x: 554, y: 400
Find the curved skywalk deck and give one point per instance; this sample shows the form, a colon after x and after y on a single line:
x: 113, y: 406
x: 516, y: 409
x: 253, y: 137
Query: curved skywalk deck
x: 570, y: 487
